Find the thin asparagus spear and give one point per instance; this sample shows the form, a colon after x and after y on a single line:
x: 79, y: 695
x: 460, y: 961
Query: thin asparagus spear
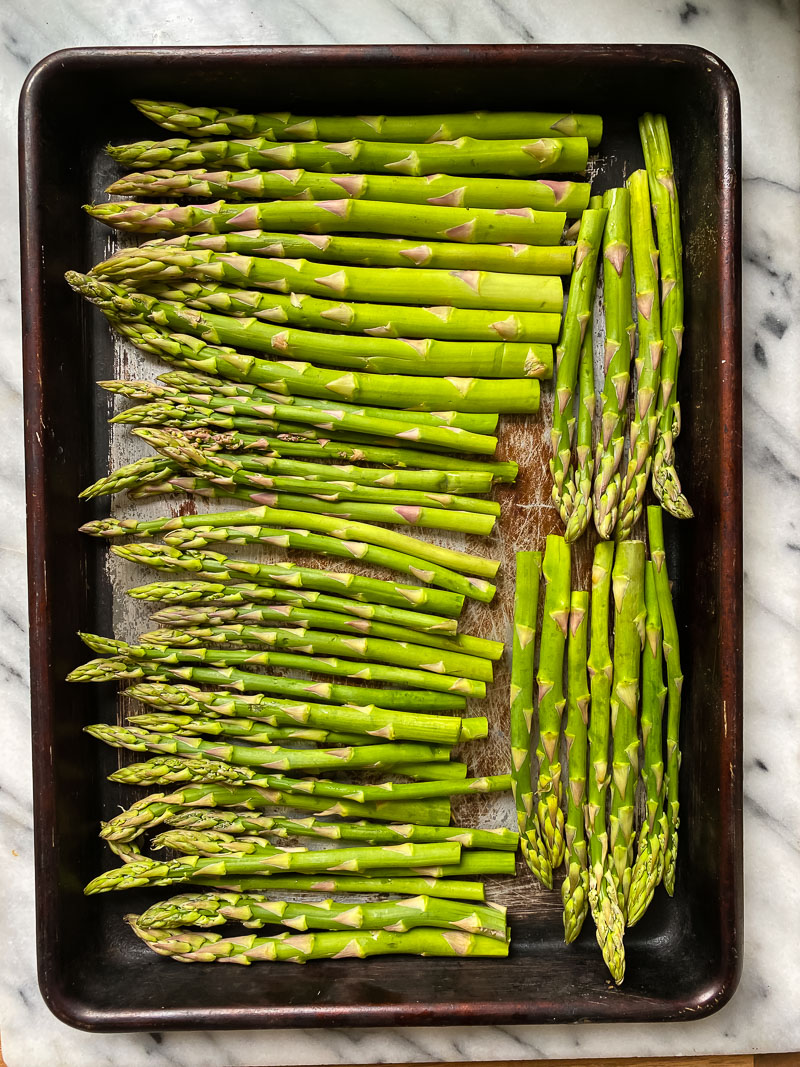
x: 575, y: 887
x: 606, y: 912
x: 555, y: 623
x: 426, y: 358
x: 649, y: 866
x: 526, y: 606
x: 669, y: 624
x: 259, y: 732
x: 256, y: 911
x: 573, y: 330
x: 303, y: 379
x: 191, y: 946
x: 214, y: 122
x: 142, y: 472
x: 629, y: 634
x: 383, y: 251
x: 370, y: 833
x: 479, y: 225
x: 444, y: 888
x: 616, y: 360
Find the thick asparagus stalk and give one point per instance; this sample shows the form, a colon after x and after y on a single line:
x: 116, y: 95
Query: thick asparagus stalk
x: 224, y: 657
x: 649, y: 357
x: 649, y: 866
x: 378, y: 320
x: 459, y: 289
x: 256, y: 911
x: 606, y: 912
x: 575, y: 887
x: 573, y: 330
x: 672, y: 656
x: 400, y: 653
x: 385, y: 251
x: 658, y: 159
x: 526, y: 606
x: 437, y: 189
x: 470, y: 225
x: 376, y: 354
x: 464, y: 155
x: 369, y: 833
x: 214, y: 122
x: 303, y: 379
x: 555, y: 622
x: 616, y: 360
x: 191, y: 946
x: 216, y: 567
x: 629, y: 634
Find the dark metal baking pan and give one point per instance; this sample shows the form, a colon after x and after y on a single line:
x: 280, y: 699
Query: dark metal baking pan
x: 684, y: 957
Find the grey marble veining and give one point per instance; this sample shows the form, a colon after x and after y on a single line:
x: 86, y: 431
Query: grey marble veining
x: 760, y: 40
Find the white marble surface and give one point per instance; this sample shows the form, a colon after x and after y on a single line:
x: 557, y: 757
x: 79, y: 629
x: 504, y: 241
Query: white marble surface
x: 760, y: 40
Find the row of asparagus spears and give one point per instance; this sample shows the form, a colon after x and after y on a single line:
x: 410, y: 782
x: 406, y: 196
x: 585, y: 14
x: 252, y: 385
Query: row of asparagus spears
x: 612, y: 707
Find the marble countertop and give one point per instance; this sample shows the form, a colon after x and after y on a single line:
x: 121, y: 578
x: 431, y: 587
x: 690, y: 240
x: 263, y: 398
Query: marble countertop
x: 760, y: 40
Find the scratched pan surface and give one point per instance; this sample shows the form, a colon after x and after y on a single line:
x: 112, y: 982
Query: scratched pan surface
x: 683, y: 958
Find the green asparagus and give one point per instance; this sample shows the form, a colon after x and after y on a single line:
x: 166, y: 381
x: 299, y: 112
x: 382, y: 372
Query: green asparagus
x: 575, y: 887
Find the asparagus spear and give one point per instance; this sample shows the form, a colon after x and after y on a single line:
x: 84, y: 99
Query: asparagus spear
x: 436, y: 189
x: 378, y: 320
x: 658, y: 159
x: 256, y: 911
x: 384, y: 251
x: 470, y: 225
x: 526, y: 606
x: 617, y: 359
x: 629, y: 633
x: 191, y: 946
x: 465, y: 155
x: 370, y: 833
x: 370, y: 720
x: 649, y: 358
x: 297, y: 378
x: 445, y: 888
x: 400, y: 653
x: 555, y: 622
x: 378, y: 354
x: 214, y: 566
x: 259, y: 732
x: 649, y: 866
x: 575, y: 887
x: 669, y: 624
x: 223, y: 657
x: 212, y: 122
x: 573, y: 330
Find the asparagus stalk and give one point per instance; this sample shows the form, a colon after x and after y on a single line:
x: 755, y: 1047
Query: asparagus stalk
x: 303, y: 379
x: 213, y: 566
x: 470, y: 225
x: 379, y: 320
x: 369, y: 720
x: 458, y: 289
x: 223, y: 657
x: 400, y: 653
x: 658, y: 160
x: 234, y: 822
x: 575, y: 887
x: 629, y: 634
x: 190, y: 946
x: 256, y: 911
x: 616, y: 361
x: 573, y: 330
x: 427, y: 358
x: 649, y: 357
x: 259, y: 732
x: 649, y: 866
x: 669, y: 624
x: 213, y: 122
x: 151, y: 469
x: 465, y: 155
x: 445, y: 888
x: 526, y: 606
x: 555, y: 623
x: 436, y: 189
x: 384, y: 251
